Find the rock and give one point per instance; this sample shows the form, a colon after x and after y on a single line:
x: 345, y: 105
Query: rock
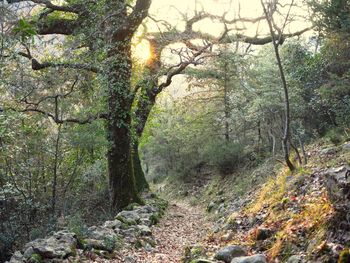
x: 228, y: 253
x: 129, y: 259
x: 328, y: 151
x: 338, y: 187
x: 60, y: 245
x: 130, y: 234
x: 90, y: 243
x: 128, y: 217
x: 144, y: 230
x: 250, y: 259
x: 221, y: 208
x: 101, y: 233
x: 147, y: 209
x: 145, y: 221
x: 346, y: 146
x: 17, y: 257
x: 295, y: 259
x: 227, y: 237
x: 113, y: 224
x: 263, y: 233
x: 200, y: 260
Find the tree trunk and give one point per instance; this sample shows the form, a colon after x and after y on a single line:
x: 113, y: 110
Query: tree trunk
x: 303, y: 149
x: 140, y: 179
x: 286, y: 133
x: 55, y: 170
x: 121, y: 177
x: 226, y: 98
x: 118, y: 70
x: 119, y: 29
x: 145, y: 103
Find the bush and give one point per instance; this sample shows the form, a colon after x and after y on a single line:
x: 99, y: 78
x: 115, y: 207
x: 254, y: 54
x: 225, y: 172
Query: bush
x: 77, y: 225
x: 335, y: 136
x: 225, y: 156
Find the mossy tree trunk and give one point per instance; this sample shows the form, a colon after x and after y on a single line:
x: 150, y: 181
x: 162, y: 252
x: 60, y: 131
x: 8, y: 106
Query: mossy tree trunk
x: 118, y: 66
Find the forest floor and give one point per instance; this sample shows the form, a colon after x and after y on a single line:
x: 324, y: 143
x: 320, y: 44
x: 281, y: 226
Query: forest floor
x: 182, y: 226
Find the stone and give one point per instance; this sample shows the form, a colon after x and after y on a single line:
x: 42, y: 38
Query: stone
x: 113, y: 224
x: 295, y: 259
x: 328, y: 151
x: 346, y: 146
x: 227, y: 237
x: 131, y: 234
x: 147, y: 209
x: 228, y: 253
x: 128, y: 217
x: 221, y: 208
x: 60, y: 245
x: 145, y: 221
x: 101, y: 233
x: 250, y: 259
x: 144, y: 230
x: 200, y: 260
x: 96, y: 244
x: 17, y: 257
x: 129, y: 259
x: 263, y: 233
x: 338, y: 187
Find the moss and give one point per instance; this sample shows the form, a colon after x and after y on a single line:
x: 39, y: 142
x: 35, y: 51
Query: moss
x: 35, y: 258
x: 126, y: 221
x: 155, y: 218
x: 138, y: 244
x: 344, y: 256
x: 132, y: 206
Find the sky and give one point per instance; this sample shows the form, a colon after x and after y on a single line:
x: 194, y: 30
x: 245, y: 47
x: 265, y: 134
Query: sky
x: 170, y: 11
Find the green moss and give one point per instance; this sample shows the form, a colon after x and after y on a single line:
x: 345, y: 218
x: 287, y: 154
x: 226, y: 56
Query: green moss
x: 344, y: 256
x: 138, y: 244
x: 126, y: 221
x: 35, y: 258
x: 132, y: 206
x: 155, y: 218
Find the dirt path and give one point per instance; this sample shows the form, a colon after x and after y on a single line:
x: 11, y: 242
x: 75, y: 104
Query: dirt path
x: 181, y: 226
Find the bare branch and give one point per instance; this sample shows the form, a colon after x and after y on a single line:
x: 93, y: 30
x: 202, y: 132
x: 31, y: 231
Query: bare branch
x: 36, y: 65
x: 48, y: 4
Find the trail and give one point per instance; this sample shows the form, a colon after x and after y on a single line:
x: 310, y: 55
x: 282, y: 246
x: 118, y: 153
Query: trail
x: 181, y: 226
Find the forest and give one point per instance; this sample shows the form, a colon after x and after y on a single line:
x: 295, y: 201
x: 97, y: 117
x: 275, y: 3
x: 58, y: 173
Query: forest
x: 193, y: 131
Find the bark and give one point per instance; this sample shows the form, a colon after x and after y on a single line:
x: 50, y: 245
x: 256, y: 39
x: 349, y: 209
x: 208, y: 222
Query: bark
x: 140, y: 179
x: 296, y: 153
x: 145, y: 103
x: 303, y: 149
x: 118, y: 68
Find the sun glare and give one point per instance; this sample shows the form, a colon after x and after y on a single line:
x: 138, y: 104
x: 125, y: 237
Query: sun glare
x: 142, y: 51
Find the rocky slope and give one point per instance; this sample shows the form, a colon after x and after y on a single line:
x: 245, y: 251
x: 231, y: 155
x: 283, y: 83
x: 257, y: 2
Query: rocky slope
x: 293, y: 217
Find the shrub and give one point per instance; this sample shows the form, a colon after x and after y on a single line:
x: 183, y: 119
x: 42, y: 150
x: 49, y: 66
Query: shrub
x: 77, y: 225
x: 335, y: 136
x: 225, y: 156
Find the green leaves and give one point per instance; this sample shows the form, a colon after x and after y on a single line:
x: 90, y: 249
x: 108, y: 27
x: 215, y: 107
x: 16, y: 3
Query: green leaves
x: 24, y: 29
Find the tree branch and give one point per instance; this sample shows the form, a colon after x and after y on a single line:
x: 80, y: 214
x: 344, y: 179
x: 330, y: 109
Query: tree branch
x: 48, y: 4
x: 36, y: 65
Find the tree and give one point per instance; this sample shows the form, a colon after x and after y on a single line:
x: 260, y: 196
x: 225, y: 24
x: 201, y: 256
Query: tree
x: 276, y: 42
x: 108, y: 46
